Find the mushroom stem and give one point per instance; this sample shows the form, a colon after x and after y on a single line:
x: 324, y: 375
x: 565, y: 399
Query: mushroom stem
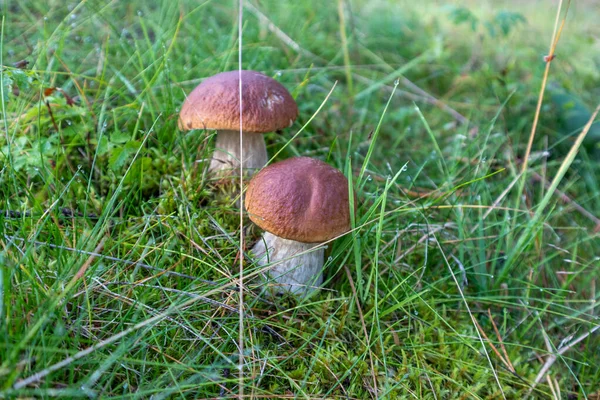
x: 227, y: 152
x: 296, y: 274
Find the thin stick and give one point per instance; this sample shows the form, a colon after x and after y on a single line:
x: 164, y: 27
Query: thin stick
x: 264, y: 20
x: 241, y: 280
x: 509, y: 364
x: 502, y: 196
x: 485, y: 336
x: 548, y: 59
x: 90, y: 259
x: 553, y: 357
x: 551, y: 385
x: 565, y: 198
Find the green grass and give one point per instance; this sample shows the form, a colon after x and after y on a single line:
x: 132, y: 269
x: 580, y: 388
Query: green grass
x: 119, y: 254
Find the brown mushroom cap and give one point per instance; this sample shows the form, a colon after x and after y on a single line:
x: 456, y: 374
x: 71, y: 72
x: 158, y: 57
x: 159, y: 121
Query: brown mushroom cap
x: 300, y: 199
x: 215, y: 104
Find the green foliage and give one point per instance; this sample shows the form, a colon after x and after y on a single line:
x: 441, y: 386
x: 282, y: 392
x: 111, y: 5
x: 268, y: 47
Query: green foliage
x: 119, y: 254
x: 573, y: 114
x: 462, y: 15
x: 15, y: 80
x: 501, y: 22
x: 506, y: 21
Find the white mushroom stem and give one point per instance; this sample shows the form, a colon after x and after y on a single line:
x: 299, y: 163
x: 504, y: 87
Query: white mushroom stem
x: 290, y: 272
x: 227, y: 153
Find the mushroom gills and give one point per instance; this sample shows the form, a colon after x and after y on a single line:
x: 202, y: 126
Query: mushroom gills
x: 291, y: 272
x: 227, y: 153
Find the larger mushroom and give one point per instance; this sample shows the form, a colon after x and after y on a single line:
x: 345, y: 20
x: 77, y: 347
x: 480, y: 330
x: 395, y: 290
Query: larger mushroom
x: 300, y: 203
x: 267, y: 106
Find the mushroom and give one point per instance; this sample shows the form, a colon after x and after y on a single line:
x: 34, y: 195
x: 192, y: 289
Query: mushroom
x: 215, y: 104
x: 300, y: 203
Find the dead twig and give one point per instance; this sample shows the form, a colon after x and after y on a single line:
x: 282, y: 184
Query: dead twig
x: 548, y: 60
x: 480, y: 329
x: 509, y: 364
x: 554, y: 355
x: 565, y: 198
x: 281, y: 35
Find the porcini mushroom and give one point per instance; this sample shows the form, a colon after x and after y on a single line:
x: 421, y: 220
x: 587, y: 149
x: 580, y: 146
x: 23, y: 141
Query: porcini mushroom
x: 300, y: 203
x: 267, y: 106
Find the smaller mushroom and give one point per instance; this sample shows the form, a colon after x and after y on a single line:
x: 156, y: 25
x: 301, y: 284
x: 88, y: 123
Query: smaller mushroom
x: 267, y: 106
x: 300, y: 203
